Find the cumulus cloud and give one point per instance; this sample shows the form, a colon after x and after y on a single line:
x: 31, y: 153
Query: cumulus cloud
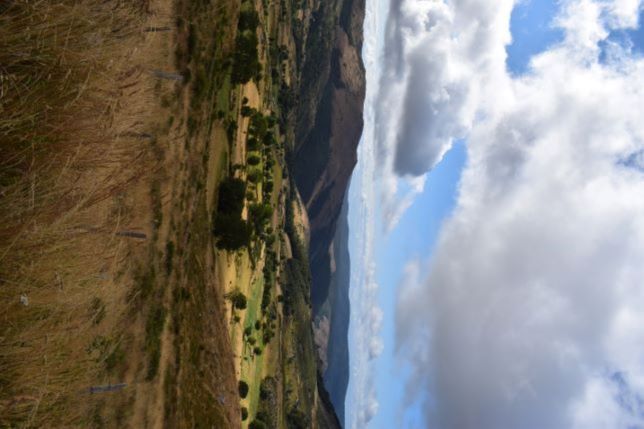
x: 369, y: 411
x: 428, y: 96
x: 530, y: 315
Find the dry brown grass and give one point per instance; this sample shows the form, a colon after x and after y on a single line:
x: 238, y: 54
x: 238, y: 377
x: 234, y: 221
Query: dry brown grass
x: 70, y: 154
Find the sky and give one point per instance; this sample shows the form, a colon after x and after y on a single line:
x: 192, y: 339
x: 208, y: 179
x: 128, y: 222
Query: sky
x: 497, y: 217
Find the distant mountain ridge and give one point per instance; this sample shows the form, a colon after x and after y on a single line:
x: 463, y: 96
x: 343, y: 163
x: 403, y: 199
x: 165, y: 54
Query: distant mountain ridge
x: 328, y: 130
x: 329, y: 127
x: 336, y: 376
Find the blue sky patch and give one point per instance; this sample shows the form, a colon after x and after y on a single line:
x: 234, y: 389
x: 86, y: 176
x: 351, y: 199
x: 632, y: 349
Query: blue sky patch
x: 532, y: 33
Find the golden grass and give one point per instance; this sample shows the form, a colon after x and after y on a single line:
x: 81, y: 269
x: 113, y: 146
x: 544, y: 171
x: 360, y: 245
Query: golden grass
x: 67, y: 160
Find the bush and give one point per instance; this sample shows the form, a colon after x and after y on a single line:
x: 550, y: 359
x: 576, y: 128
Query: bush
x: 232, y: 232
x: 231, y: 129
x: 259, y: 125
x: 260, y: 215
x: 254, y: 176
x: 248, y: 20
x: 247, y: 111
x: 238, y: 299
x: 245, y: 62
x: 243, y: 389
x: 231, y: 196
x: 244, y: 414
x: 254, y: 160
x: 296, y: 419
x: 252, y: 144
x: 257, y: 424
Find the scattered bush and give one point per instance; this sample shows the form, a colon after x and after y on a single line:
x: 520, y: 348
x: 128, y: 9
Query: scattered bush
x: 243, y: 388
x: 260, y: 215
x: 245, y: 62
x: 231, y: 230
x: 252, y: 144
x: 231, y: 196
x: 296, y: 419
x: 254, y: 160
x: 237, y: 299
x: 257, y: 424
x: 254, y: 176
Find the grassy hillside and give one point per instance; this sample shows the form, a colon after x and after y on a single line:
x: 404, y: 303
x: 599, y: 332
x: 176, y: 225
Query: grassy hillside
x: 143, y: 192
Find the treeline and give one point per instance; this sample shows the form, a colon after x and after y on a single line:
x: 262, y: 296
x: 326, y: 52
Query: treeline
x: 246, y: 64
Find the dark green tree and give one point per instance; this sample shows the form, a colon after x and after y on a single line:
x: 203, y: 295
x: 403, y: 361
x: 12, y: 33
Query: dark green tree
x: 243, y: 388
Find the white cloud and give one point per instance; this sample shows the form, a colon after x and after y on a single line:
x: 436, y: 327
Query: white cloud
x: 369, y: 412
x: 533, y: 301
x: 428, y: 95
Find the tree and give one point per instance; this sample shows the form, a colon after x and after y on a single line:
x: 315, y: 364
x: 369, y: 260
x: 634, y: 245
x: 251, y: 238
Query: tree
x: 245, y: 62
x: 238, y: 299
x: 231, y: 196
x: 260, y: 215
x: 248, y: 20
x: 254, y: 176
x: 253, y: 160
x: 232, y: 232
x: 252, y: 143
x: 297, y: 419
x: 243, y: 388
x: 244, y: 414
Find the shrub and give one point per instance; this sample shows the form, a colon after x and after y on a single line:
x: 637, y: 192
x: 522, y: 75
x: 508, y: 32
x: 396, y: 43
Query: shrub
x: 254, y: 160
x: 257, y: 424
x: 252, y: 144
x: 248, y: 20
x: 254, y: 176
x: 296, y: 419
x: 243, y: 388
x: 232, y: 232
x: 238, y: 299
x: 231, y: 196
x: 259, y: 215
x: 245, y: 62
